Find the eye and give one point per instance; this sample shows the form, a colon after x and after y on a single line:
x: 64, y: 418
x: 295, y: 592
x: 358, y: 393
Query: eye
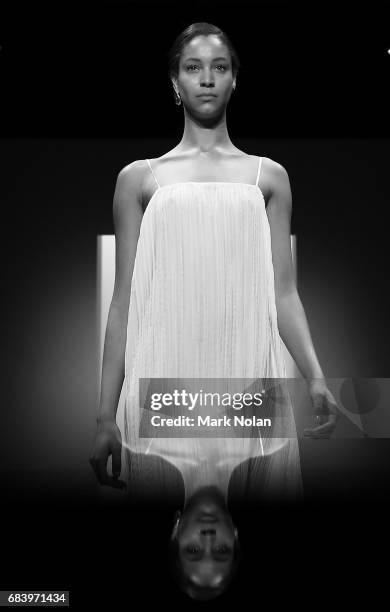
x: 192, y: 549
x: 194, y: 66
x: 223, y: 549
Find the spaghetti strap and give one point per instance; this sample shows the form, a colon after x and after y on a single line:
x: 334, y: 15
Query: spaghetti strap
x: 151, y: 169
x: 258, y: 171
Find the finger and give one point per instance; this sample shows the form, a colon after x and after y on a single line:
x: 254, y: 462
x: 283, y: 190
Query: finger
x: 321, y: 419
x: 322, y: 431
x: 315, y: 434
x: 333, y: 409
x: 318, y: 405
x: 98, y: 465
x: 116, y: 461
x: 101, y: 467
x: 105, y: 479
x: 109, y: 481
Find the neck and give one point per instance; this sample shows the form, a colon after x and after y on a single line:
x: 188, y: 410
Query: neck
x: 211, y: 495
x: 206, y: 136
x: 203, y: 475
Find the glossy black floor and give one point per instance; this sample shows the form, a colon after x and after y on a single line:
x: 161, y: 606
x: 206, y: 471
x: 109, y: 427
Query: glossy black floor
x: 115, y: 553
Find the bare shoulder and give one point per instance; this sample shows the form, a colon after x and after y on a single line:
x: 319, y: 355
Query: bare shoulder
x: 273, y: 169
x: 276, y: 180
x: 132, y: 175
x: 130, y: 183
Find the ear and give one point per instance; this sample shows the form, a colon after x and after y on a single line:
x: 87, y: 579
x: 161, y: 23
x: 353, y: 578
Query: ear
x: 174, y: 531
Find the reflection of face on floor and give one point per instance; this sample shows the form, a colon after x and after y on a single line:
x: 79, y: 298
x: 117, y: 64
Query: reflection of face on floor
x: 206, y: 545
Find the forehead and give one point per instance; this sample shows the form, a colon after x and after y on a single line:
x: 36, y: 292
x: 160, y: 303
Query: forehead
x: 206, y: 47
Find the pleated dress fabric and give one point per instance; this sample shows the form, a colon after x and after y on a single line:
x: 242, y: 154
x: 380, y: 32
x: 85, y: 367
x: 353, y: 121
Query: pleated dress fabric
x: 202, y: 305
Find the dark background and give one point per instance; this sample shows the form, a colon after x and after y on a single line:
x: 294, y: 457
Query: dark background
x: 85, y: 91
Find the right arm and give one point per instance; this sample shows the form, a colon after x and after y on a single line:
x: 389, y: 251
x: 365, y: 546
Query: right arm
x: 127, y: 215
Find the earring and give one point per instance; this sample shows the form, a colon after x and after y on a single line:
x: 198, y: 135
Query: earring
x: 176, y: 525
x: 177, y: 98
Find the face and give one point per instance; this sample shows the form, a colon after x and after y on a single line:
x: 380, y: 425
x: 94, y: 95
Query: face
x: 206, y: 537
x: 205, y: 68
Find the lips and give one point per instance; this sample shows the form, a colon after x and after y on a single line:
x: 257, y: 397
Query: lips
x: 207, y: 518
x: 207, y: 515
x: 207, y: 96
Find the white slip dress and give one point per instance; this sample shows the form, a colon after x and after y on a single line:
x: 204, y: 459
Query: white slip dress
x: 202, y: 306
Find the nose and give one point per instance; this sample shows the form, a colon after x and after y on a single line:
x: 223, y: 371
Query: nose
x: 206, y: 78
x: 207, y: 531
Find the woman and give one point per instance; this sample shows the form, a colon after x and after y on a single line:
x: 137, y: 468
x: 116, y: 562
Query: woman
x: 204, y: 285
x: 205, y: 550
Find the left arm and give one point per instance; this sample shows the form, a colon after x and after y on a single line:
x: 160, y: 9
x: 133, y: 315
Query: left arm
x: 292, y: 322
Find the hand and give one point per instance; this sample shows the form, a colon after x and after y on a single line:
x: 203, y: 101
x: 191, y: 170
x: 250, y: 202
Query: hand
x: 325, y: 409
x: 108, y: 441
